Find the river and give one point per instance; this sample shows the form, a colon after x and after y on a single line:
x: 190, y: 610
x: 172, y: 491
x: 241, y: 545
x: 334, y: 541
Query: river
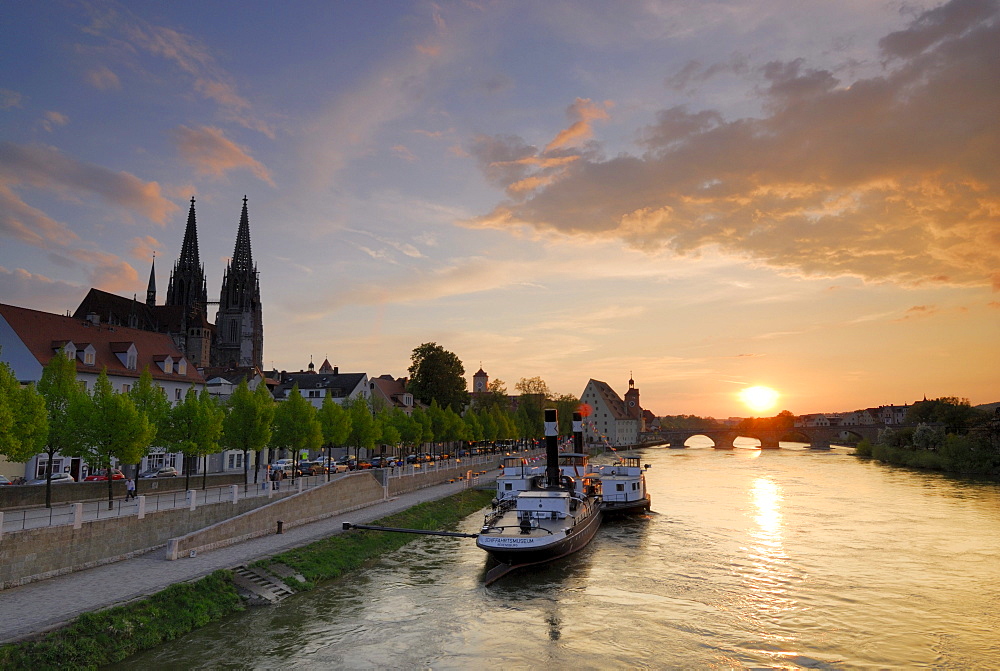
x: 789, y: 558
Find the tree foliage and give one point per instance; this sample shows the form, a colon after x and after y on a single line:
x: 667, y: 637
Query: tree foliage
x: 437, y: 375
x: 296, y: 426
x: 111, y: 428
x: 194, y: 427
x: 954, y: 413
x: 24, y: 425
x: 247, y: 425
x: 60, y: 390
x: 363, y: 429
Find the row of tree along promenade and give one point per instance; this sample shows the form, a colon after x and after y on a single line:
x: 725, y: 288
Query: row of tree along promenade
x: 106, y: 428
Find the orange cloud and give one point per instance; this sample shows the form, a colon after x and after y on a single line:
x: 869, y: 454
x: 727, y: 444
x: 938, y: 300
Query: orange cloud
x: 144, y: 247
x: 48, y: 169
x: 892, y: 178
x: 210, y: 152
x: 582, y: 112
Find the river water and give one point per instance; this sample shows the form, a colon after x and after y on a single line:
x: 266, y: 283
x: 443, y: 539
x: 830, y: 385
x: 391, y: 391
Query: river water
x: 789, y: 558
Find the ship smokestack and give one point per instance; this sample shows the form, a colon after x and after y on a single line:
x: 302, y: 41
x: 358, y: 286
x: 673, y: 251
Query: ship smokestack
x: 551, y: 447
x: 577, y: 432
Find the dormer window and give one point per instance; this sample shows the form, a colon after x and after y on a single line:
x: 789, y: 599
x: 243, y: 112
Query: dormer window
x: 182, y: 366
x: 166, y: 363
x: 89, y: 355
x: 126, y: 353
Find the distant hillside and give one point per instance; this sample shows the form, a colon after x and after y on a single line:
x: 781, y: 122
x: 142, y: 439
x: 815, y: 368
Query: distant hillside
x: 989, y: 407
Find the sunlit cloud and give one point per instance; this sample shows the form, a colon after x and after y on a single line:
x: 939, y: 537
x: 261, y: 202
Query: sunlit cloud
x: 210, y: 152
x: 51, y: 119
x: 890, y: 178
x: 103, y: 79
x: 50, y: 170
x: 583, y: 112
x: 144, y: 247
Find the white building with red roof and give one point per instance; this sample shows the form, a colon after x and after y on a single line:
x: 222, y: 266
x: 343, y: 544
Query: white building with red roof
x: 30, y: 338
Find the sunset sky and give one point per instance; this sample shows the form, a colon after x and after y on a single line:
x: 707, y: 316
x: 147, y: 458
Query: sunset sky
x: 706, y: 195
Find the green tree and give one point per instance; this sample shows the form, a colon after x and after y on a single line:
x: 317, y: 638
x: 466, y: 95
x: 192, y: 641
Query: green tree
x: 195, y: 426
x: 296, y: 426
x: 363, y: 429
x: 60, y: 390
x: 151, y: 401
x: 247, y: 425
x: 335, y: 424
x: 437, y: 375
x: 212, y: 416
x: 409, y: 429
x: 111, y: 428
x: 24, y: 426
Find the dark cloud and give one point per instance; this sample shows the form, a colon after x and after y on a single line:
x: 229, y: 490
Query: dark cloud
x: 893, y: 177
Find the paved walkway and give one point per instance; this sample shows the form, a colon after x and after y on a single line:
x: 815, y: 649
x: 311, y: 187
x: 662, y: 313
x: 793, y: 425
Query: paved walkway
x: 47, y: 604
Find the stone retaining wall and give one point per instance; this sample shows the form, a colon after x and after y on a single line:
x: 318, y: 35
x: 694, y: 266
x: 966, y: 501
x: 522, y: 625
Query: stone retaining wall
x: 344, y: 494
x: 37, y: 554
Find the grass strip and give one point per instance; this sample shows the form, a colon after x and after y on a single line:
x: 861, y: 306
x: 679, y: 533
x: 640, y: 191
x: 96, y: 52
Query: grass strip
x: 111, y: 635
x: 114, y: 634
x: 332, y: 557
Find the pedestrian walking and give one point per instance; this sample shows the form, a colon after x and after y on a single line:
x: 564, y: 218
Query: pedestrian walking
x: 129, y: 489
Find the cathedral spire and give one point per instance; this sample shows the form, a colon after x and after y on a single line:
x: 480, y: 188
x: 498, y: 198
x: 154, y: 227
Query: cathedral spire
x: 239, y: 322
x: 187, y: 281
x: 242, y: 257
x: 151, y: 287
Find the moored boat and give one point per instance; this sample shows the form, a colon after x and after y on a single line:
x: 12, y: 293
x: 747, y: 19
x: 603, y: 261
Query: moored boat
x: 556, y: 514
x: 623, y: 487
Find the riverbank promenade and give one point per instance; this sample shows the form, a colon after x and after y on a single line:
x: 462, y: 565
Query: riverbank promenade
x: 44, y: 605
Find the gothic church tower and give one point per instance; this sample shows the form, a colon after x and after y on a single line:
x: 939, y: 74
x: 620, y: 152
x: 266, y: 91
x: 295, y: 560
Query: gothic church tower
x: 187, y: 291
x: 239, y: 324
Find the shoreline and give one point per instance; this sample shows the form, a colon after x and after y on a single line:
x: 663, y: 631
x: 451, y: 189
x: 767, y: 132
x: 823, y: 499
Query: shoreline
x: 111, y: 634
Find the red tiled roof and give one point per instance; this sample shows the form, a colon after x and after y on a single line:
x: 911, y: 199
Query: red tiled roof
x: 44, y: 333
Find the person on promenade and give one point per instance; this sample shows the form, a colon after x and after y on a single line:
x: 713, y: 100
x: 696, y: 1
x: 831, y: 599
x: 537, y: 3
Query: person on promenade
x: 129, y: 489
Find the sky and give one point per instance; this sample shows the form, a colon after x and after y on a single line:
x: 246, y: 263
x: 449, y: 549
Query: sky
x: 703, y: 195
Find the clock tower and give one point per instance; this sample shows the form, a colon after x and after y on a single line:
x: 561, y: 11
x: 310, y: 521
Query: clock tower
x: 480, y: 381
x: 632, y: 408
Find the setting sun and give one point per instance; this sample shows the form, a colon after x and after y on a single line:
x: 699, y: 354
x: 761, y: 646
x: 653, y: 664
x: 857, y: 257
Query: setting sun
x: 759, y: 398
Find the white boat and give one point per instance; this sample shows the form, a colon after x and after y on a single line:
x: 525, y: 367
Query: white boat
x: 623, y: 486
x: 552, y: 514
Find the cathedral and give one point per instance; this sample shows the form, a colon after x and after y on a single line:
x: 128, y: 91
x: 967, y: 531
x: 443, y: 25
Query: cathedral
x: 234, y: 340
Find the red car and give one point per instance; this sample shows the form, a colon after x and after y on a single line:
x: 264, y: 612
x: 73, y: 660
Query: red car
x: 103, y: 476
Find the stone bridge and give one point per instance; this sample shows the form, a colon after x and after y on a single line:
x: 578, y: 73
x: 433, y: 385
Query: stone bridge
x: 818, y: 437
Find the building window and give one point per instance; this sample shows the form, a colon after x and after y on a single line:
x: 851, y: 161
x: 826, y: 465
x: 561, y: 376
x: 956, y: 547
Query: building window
x: 235, y: 460
x: 88, y: 358
x: 125, y: 388
x: 42, y: 463
x: 177, y: 394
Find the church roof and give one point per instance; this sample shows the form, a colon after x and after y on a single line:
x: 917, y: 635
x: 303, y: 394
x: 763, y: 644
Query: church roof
x: 117, y: 310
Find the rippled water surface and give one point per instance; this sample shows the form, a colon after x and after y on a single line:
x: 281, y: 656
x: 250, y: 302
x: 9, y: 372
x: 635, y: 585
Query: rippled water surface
x: 786, y: 558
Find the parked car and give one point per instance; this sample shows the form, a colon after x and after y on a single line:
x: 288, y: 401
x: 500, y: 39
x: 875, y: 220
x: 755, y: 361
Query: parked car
x: 57, y: 478
x: 163, y: 472
x: 312, y: 468
x: 5, y: 481
x: 340, y: 467
x: 363, y: 464
x: 102, y: 475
